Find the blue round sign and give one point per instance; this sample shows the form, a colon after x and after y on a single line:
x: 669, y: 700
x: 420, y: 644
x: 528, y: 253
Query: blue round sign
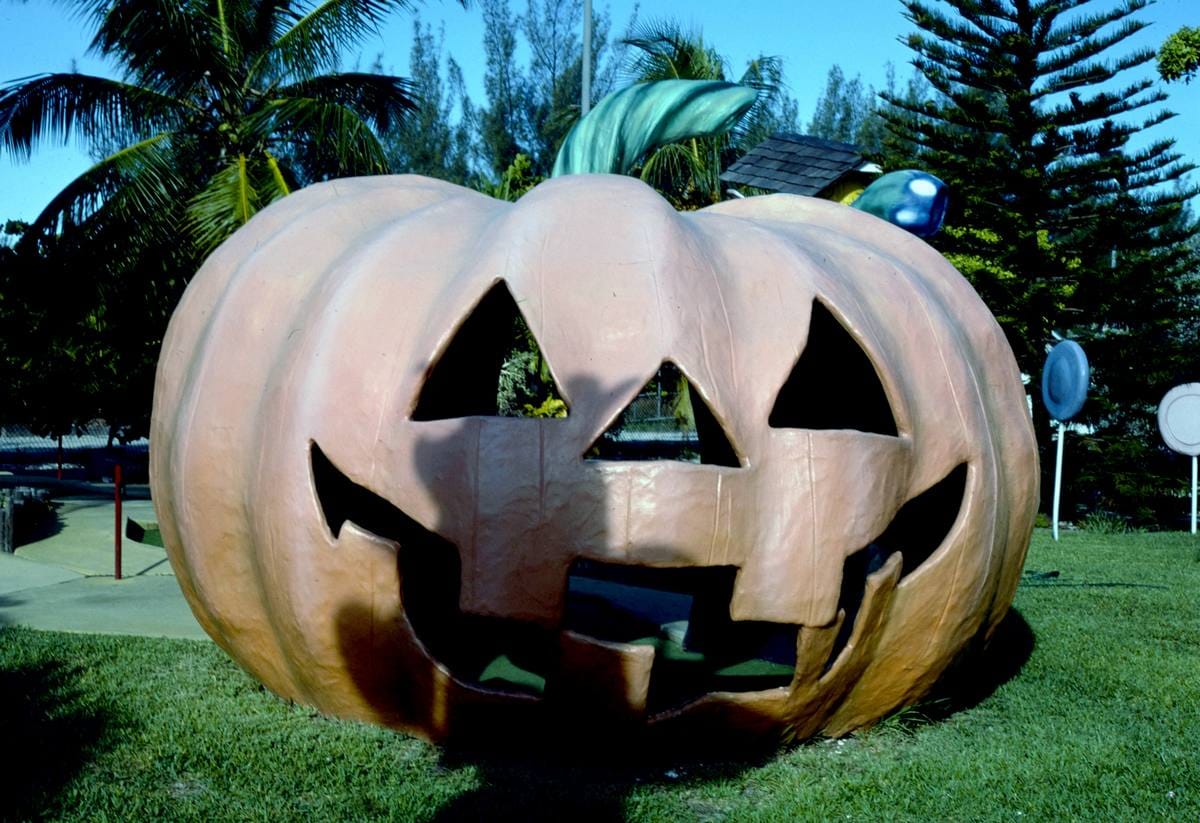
x: 1065, y: 380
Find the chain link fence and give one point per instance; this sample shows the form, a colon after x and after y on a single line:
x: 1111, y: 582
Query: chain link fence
x: 89, y: 454
x: 38, y: 473
x: 650, y: 427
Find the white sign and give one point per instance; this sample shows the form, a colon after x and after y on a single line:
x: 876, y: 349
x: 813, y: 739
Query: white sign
x: 1179, y: 418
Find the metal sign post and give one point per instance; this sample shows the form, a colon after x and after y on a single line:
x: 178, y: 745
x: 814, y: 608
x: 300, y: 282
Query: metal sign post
x: 117, y: 532
x: 1062, y: 430
x: 585, y: 91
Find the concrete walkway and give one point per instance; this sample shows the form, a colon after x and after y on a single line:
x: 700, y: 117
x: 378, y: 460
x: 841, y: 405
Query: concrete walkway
x: 65, y: 580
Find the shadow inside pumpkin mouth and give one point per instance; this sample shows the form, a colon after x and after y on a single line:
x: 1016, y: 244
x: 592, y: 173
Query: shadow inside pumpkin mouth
x: 682, y: 612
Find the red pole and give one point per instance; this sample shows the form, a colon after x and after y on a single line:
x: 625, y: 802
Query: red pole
x: 117, y: 541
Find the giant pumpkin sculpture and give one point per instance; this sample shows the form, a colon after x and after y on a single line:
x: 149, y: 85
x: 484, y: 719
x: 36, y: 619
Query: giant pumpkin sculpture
x: 351, y: 519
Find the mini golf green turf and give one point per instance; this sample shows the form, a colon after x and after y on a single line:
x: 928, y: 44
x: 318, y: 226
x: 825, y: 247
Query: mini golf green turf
x: 673, y: 661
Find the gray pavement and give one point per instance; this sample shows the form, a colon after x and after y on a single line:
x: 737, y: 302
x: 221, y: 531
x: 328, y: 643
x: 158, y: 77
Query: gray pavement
x: 64, y: 581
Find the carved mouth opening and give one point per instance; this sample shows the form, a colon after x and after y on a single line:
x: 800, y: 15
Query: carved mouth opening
x: 682, y: 612
x: 506, y: 653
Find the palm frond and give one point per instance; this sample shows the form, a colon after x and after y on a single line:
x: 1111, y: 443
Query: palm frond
x: 232, y: 196
x: 90, y: 9
x: 223, y: 36
x: 313, y: 41
x: 139, y: 181
x: 282, y: 188
x: 764, y: 74
x: 330, y: 140
x: 265, y: 23
x: 675, y: 166
x: 380, y: 99
x: 99, y: 109
x: 166, y: 45
x: 664, y: 50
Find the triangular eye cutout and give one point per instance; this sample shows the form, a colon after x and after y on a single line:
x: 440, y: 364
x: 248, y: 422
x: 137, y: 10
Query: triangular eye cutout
x: 833, y: 385
x: 668, y: 420
x: 492, y: 368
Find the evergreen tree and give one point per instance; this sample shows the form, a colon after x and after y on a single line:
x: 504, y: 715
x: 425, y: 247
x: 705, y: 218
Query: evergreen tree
x: 1030, y: 124
x: 428, y: 141
x: 844, y: 108
x: 504, y: 122
x: 530, y: 108
x: 851, y: 112
x: 552, y: 29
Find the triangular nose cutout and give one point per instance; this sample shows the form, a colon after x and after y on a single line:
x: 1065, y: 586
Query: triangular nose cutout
x: 492, y: 368
x: 668, y: 420
x: 833, y: 385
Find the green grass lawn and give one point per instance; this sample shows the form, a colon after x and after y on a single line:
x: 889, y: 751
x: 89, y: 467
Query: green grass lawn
x: 1102, y: 721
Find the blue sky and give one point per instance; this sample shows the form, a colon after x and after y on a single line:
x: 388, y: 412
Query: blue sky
x: 860, y: 35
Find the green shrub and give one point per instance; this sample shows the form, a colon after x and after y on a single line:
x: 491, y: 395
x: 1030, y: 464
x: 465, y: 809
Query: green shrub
x: 1104, y: 522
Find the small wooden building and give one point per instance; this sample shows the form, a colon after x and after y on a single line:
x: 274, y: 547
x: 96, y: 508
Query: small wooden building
x: 800, y: 164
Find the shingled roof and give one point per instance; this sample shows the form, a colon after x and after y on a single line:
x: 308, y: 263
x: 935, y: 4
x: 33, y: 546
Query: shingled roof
x: 795, y: 164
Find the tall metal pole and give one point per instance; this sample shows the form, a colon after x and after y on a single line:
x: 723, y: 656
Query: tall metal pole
x: 1193, y: 494
x: 117, y: 534
x: 1058, y: 478
x: 585, y: 102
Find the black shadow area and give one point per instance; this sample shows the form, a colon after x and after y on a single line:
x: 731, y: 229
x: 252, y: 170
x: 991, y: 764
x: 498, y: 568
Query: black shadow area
x: 584, y: 781
x: 49, y: 732
x: 35, y: 520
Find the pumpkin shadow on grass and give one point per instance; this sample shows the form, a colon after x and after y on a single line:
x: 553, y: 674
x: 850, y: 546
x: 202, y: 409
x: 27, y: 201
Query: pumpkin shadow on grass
x: 593, y: 780
x: 49, y: 734
x: 582, y: 783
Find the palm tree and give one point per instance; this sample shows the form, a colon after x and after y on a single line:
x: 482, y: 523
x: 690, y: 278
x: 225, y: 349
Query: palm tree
x: 689, y: 172
x: 223, y: 107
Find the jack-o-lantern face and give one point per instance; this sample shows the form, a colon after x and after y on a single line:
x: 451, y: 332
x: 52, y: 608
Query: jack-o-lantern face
x: 353, y: 520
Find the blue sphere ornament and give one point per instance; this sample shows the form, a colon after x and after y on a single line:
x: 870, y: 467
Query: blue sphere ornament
x: 913, y: 200
x: 1065, y: 380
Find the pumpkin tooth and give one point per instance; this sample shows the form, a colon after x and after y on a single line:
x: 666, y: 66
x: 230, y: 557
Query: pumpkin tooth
x: 813, y: 699
x: 814, y: 646
x: 877, y: 596
x: 918, y: 529
x: 684, y: 614
x: 600, y: 678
